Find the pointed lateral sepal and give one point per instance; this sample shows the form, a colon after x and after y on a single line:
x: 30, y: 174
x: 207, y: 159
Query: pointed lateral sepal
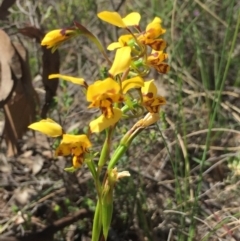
x: 101, y: 123
x: 78, y: 81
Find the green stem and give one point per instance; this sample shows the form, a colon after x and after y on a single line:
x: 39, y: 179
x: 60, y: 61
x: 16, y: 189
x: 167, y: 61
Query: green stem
x: 122, y: 148
x: 97, y: 222
x: 116, y: 156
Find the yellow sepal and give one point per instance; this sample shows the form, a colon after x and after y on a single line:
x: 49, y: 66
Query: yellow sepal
x: 74, y: 80
x: 47, y: 127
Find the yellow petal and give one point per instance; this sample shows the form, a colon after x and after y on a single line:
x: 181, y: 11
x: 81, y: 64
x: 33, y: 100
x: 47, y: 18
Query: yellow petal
x: 47, y: 127
x: 121, y: 61
x: 113, y: 18
x: 102, y: 122
x: 132, y: 19
x: 135, y: 82
x: 114, y: 46
x: 74, y: 80
x: 71, y: 139
x: 102, y: 87
x: 149, y: 87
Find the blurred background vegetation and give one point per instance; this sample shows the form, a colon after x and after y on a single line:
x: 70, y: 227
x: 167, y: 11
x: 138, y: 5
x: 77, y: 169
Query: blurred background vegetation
x: 184, y: 171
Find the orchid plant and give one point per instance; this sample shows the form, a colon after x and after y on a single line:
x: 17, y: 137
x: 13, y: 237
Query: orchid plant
x: 136, y: 53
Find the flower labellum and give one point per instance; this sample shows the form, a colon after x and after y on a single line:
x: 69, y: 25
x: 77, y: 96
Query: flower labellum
x: 121, y: 61
x: 101, y: 123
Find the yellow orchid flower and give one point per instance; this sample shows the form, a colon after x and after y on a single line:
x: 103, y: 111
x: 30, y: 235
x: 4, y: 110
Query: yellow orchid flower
x: 73, y: 145
x: 55, y: 37
x: 153, y: 30
x: 155, y: 59
x: 101, y: 123
x: 132, y: 19
x: 74, y: 80
x: 76, y: 145
x: 47, y: 127
x: 122, y: 61
x: 151, y: 34
x: 103, y: 93
x: 122, y: 41
x: 151, y: 101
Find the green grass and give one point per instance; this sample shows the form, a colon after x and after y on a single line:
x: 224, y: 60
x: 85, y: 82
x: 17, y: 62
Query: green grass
x: 207, y: 57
